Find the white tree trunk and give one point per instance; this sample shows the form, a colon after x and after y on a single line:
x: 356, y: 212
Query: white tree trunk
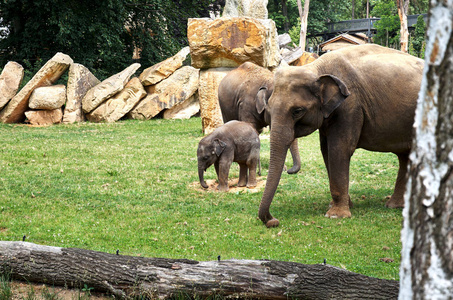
x: 427, y: 236
x: 403, y: 6
x: 303, y: 14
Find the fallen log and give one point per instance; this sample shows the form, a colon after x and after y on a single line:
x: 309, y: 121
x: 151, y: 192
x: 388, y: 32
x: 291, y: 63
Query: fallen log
x: 128, y: 276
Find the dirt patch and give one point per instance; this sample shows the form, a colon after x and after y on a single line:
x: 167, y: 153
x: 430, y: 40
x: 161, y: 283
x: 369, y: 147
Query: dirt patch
x: 233, y: 185
x: 23, y: 290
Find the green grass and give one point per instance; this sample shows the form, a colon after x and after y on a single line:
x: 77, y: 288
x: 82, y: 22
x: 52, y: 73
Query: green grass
x: 127, y: 186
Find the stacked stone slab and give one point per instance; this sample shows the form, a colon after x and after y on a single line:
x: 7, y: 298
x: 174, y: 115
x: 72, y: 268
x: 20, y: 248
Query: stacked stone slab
x: 218, y: 45
x: 14, y: 111
x: 10, y: 80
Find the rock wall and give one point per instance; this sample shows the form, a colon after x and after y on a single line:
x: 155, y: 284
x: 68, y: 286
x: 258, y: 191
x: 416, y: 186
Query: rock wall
x: 167, y: 89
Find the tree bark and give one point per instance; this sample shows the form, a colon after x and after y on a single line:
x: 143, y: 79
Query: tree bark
x: 303, y: 14
x: 403, y: 6
x: 285, y: 15
x: 427, y: 236
x: 126, y: 276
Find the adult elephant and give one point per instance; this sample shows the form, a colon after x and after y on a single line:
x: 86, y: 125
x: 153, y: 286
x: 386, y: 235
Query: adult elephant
x: 358, y: 97
x: 243, y: 95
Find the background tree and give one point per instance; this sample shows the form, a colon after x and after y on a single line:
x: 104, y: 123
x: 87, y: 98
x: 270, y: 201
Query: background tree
x: 403, y: 8
x: 303, y: 15
x: 427, y: 235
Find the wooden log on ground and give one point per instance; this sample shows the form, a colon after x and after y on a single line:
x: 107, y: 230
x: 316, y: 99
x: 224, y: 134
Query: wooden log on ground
x: 127, y: 276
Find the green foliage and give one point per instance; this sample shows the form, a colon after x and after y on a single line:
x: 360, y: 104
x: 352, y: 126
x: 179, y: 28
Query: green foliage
x: 389, y: 25
x: 133, y: 186
x: 418, y: 38
x: 98, y: 34
x: 5, y: 287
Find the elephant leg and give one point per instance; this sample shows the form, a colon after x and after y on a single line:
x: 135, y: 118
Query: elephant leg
x: 338, y: 170
x: 224, y: 170
x: 324, y: 151
x: 251, y: 183
x: 397, y: 199
x: 242, y: 175
x: 294, y: 149
x: 216, y: 166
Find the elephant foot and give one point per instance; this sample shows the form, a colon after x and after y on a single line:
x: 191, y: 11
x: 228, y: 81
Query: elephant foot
x: 351, y: 205
x: 395, y: 202
x: 272, y: 223
x: 294, y: 170
x: 241, y: 184
x: 338, y: 212
x: 222, y: 188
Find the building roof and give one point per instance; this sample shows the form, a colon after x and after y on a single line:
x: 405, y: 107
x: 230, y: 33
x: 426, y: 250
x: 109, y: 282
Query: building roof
x: 342, y: 40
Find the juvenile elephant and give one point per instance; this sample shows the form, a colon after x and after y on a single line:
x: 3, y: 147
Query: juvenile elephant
x: 243, y: 95
x: 234, y: 141
x: 358, y: 97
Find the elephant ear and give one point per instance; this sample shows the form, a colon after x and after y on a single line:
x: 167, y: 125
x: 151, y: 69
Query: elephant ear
x: 219, y: 146
x: 332, y: 92
x: 261, y: 99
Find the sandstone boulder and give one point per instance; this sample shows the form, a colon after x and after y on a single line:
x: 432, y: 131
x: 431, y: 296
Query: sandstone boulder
x: 184, y: 110
x: 80, y: 80
x: 245, y: 8
x: 119, y: 105
x: 162, y: 70
x: 52, y: 70
x: 44, y: 117
x: 107, y: 88
x: 48, y: 97
x: 229, y: 42
x: 284, y: 40
x: 180, y: 86
x: 211, y: 116
x: 304, y: 59
x: 10, y: 80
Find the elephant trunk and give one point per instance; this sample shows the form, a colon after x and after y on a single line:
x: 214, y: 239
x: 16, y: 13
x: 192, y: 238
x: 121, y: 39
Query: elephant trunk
x: 281, y: 138
x: 201, y: 176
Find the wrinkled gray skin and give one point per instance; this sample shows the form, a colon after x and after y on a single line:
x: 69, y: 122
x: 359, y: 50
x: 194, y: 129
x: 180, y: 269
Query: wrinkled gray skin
x: 232, y: 142
x: 243, y: 95
x: 358, y: 97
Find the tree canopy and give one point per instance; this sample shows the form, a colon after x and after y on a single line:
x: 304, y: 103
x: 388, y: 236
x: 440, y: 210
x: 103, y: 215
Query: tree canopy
x: 101, y: 35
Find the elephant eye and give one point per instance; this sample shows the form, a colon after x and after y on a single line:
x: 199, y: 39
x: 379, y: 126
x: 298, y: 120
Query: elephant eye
x: 298, y: 112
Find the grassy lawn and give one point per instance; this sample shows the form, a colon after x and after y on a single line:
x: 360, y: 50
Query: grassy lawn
x: 127, y: 186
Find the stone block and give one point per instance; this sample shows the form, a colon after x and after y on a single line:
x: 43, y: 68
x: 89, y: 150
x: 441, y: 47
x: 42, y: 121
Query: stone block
x: 229, y: 42
x: 180, y: 86
x: 48, y: 97
x: 119, y: 105
x: 107, y: 88
x: 211, y: 115
x: 80, y: 80
x: 10, y: 80
x: 49, y: 73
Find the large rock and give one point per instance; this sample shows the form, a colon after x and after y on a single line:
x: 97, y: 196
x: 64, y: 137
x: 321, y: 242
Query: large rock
x: 211, y: 116
x: 48, y: 97
x: 184, y: 110
x: 10, y: 80
x: 52, y: 70
x: 305, y: 58
x: 229, y: 42
x: 162, y: 70
x: 80, y: 80
x: 44, y: 117
x: 180, y: 86
x: 245, y: 8
x: 119, y: 105
x: 107, y: 88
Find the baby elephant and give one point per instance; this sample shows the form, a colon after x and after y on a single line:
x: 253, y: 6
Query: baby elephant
x: 234, y: 141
